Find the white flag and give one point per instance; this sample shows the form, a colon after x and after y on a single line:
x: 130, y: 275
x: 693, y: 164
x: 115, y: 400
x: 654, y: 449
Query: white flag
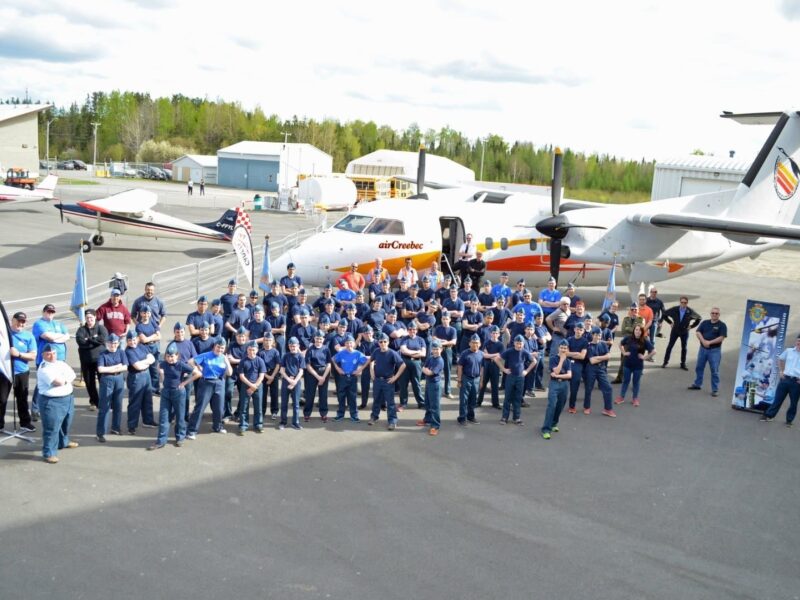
x: 243, y: 247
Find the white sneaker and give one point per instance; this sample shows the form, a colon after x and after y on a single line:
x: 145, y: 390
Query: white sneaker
x: 222, y: 430
x: 191, y: 436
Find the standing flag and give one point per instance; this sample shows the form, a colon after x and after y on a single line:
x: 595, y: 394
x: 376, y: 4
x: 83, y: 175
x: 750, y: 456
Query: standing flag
x: 243, y: 247
x: 78, y: 303
x: 6, y: 369
x: 611, y: 290
x: 265, y: 277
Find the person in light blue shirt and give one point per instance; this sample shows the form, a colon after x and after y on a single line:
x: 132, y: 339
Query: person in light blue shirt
x: 23, y: 350
x: 549, y: 297
x: 214, y: 367
x: 502, y: 289
x: 349, y: 363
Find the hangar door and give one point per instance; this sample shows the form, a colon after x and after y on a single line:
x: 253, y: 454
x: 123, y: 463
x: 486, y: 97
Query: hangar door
x: 693, y: 185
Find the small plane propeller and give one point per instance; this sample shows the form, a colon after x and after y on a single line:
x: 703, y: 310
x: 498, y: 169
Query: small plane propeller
x: 61, y: 210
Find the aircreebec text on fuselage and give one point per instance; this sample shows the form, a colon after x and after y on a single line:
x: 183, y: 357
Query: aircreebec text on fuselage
x: 396, y: 245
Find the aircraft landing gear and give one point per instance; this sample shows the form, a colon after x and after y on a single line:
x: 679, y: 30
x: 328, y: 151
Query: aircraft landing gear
x: 87, y: 246
x: 98, y: 240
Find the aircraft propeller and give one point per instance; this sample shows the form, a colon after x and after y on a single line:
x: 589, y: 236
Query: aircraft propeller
x: 61, y: 210
x: 552, y: 227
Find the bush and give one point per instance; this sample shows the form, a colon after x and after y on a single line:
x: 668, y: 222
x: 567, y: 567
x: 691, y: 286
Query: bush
x: 160, y: 152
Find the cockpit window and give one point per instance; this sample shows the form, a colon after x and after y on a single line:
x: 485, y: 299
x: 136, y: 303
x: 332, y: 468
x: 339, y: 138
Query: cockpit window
x: 386, y: 227
x: 353, y: 223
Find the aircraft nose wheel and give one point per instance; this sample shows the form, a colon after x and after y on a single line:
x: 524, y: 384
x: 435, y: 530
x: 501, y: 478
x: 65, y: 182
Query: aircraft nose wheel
x: 98, y: 240
x: 87, y: 246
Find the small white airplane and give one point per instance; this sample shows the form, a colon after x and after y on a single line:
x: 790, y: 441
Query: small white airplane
x: 649, y: 242
x: 15, y: 195
x: 129, y: 213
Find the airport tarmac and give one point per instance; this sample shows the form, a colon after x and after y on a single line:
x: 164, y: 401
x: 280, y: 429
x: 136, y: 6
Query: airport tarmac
x: 679, y: 498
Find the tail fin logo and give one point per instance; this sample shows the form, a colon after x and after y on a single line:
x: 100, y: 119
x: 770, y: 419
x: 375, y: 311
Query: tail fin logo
x: 786, y: 175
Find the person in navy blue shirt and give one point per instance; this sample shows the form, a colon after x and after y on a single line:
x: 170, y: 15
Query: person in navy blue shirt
x: 251, y: 372
x: 577, y: 352
x: 516, y: 363
x: 447, y: 337
x: 328, y: 319
x: 149, y: 334
x: 325, y: 298
x: 217, y: 318
x: 362, y: 308
x: 394, y: 329
x: 455, y: 306
x: 470, y: 323
x: 516, y: 295
x: 367, y: 346
x: 486, y: 300
x: 349, y: 363
x: 253, y: 303
x: 443, y: 291
x: 239, y: 317
x: 186, y: 352
x: 140, y: 397
x: 236, y: 351
x: 229, y: 301
x: 258, y: 326
x: 517, y: 326
x: 111, y: 365
x: 204, y: 342
x: 316, y: 377
x: 214, y: 367
x: 387, y: 296
x: 386, y: 367
x: 470, y: 362
x: 275, y: 296
x: 636, y: 348
x: 299, y: 307
x: 176, y: 375
x: 466, y: 293
x: 293, y: 365
x: 413, y: 350
x: 412, y: 305
x: 202, y: 315
x: 426, y: 292
x: 291, y: 283
x: 376, y: 317
x: 502, y: 316
x: 303, y: 331
x: 492, y: 349
x: 354, y: 324
x: 432, y: 370
x: 612, y: 317
x: 598, y: 353
x: 560, y: 374
x: 426, y: 321
x: 710, y: 333
x: 271, y: 392
x: 277, y: 322
x: 485, y: 330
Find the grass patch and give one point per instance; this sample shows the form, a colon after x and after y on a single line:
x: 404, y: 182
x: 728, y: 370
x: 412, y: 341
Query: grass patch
x: 607, y: 197
x: 68, y: 181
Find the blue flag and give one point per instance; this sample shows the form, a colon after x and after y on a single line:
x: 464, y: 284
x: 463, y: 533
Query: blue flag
x: 611, y: 290
x: 265, y: 278
x: 78, y: 303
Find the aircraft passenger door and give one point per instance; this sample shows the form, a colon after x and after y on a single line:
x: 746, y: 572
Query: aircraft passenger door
x: 453, y: 236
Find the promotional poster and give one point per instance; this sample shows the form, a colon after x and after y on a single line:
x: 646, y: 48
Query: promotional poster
x: 763, y: 336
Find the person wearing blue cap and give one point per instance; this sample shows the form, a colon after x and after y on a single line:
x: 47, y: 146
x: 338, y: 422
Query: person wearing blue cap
x: 300, y: 307
x: 258, y: 326
x: 228, y: 300
x: 471, y: 322
x: 549, y: 297
x: 467, y: 293
x: 293, y: 365
x: 344, y: 295
x: 376, y: 317
x: 277, y: 321
x: 195, y: 319
x: 502, y: 289
x: 291, y: 284
x: 492, y: 349
x: 387, y: 296
x: 470, y: 362
x: 186, y: 352
x: 516, y: 363
x: 560, y: 367
x: 400, y: 295
x: 427, y: 287
x: 502, y: 316
x: 367, y: 346
x: 54, y: 380
x: 277, y: 296
x: 140, y: 397
x: 214, y: 367
x: 447, y: 337
x: 253, y: 303
x: 176, y: 377
x: 271, y: 393
x: 577, y: 352
x: 432, y: 370
x: 485, y: 329
x: 239, y: 317
x: 361, y: 307
x: 354, y: 324
x: 413, y: 351
x: 316, y: 377
x: 386, y: 367
x: 111, y: 364
x: 517, y: 325
x: 328, y: 318
x: 443, y: 291
x: 327, y: 294
x: 217, y: 318
x: 250, y: 375
x: 395, y: 329
x: 411, y: 305
x: 597, y: 356
x: 303, y: 331
x: 486, y: 300
x: 349, y: 363
x: 236, y: 350
x: 426, y: 321
x: 149, y: 333
x: 516, y: 295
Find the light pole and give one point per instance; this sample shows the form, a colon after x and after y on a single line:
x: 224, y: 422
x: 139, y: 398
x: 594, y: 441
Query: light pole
x: 94, y: 156
x: 47, y: 144
x: 286, y: 135
x: 483, y: 154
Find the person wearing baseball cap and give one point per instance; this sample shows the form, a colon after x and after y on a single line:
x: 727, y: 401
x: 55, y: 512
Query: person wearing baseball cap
x: 598, y: 353
x: 47, y: 330
x: 447, y: 335
x: 277, y: 321
x: 386, y: 367
x: 22, y: 350
x: 195, y: 320
x: 516, y: 362
x: 470, y: 363
x: 577, y: 352
x: 293, y: 365
x: 271, y: 395
x: 177, y: 376
x: 349, y: 363
x: 492, y: 349
x: 250, y: 374
x: 291, y: 284
x: 140, y: 396
x: 560, y: 368
x: 54, y: 381
x: 316, y: 377
x: 228, y: 300
x: 114, y: 315
x: 214, y: 367
x: 367, y: 346
x: 413, y: 351
x: 432, y: 370
x: 112, y: 365
x: 149, y: 333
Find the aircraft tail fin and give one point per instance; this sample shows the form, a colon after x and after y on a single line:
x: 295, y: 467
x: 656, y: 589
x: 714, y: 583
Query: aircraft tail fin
x: 224, y: 224
x: 47, y: 186
x: 769, y: 190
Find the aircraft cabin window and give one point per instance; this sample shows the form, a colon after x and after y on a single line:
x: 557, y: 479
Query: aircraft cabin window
x: 489, y: 243
x: 386, y: 227
x: 353, y: 223
x: 503, y: 243
x: 533, y: 245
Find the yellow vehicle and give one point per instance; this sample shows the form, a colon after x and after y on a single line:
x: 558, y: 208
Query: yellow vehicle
x: 19, y: 177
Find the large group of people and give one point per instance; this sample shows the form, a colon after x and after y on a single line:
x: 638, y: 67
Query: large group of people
x: 277, y: 357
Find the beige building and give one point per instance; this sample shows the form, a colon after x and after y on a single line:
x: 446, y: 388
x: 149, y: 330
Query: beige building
x: 19, y: 136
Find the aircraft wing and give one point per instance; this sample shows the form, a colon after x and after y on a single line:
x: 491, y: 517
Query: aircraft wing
x: 729, y: 227
x: 129, y: 201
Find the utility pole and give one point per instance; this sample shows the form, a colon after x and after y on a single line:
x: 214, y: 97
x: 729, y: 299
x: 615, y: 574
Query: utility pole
x: 483, y: 154
x: 47, y: 143
x: 94, y: 157
x: 286, y: 135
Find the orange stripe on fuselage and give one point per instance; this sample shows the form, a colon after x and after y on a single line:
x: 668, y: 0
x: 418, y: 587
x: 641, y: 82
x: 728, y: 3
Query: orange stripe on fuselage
x: 536, y: 262
x: 420, y: 262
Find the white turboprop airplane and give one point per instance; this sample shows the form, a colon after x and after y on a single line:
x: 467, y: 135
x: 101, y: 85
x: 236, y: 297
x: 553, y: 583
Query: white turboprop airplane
x: 15, y: 195
x: 128, y: 213
x: 651, y: 241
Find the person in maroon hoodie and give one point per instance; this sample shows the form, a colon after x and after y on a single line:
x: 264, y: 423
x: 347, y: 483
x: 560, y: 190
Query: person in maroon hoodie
x: 114, y: 315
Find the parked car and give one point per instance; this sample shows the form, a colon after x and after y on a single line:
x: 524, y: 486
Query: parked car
x: 154, y: 173
x: 168, y: 173
x: 79, y: 165
x: 66, y: 165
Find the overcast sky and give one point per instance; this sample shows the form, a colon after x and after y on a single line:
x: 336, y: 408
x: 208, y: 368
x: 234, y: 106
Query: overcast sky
x: 635, y: 78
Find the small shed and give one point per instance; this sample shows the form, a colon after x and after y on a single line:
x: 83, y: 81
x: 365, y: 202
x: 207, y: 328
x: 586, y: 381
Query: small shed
x: 688, y: 175
x: 195, y: 167
x: 270, y: 166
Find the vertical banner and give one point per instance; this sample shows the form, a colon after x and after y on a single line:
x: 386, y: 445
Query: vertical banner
x: 78, y: 303
x: 763, y: 336
x: 611, y: 290
x: 243, y: 247
x: 6, y: 369
x: 265, y: 275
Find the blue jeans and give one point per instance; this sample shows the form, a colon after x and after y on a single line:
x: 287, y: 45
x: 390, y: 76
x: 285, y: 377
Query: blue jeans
x: 786, y: 386
x: 111, y: 389
x: 271, y: 392
x: 57, y: 416
x: 412, y: 374
x: 538, y: 372
x: 244, y: 407
x: 346, y: 394
x: 312, y: 388
x: 294, y: 394
x: 627, y: 373
x: 491, y: 374
x: 230, y: 384
x: 208, y: 391
x: 575, y: 383
x: 173, y: 402
x: 153, y: 369
x: 383, y: 394
x: 467, y: 398
x: 712, y: 356
x: 594, y: 373
x: 515, y: 386
x: 140, y: 399
x: 366, y: 380
x: 433, y: 395
x: 556, y: 398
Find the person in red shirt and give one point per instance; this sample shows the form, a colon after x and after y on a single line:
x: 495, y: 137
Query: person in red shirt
x: 355, y: 280
x: 114, y: 315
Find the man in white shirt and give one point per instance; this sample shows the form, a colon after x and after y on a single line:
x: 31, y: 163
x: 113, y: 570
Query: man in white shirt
x: 54, y: 379
x: 466, y: 253
x: 789, y: 384
x: 408, y: 272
